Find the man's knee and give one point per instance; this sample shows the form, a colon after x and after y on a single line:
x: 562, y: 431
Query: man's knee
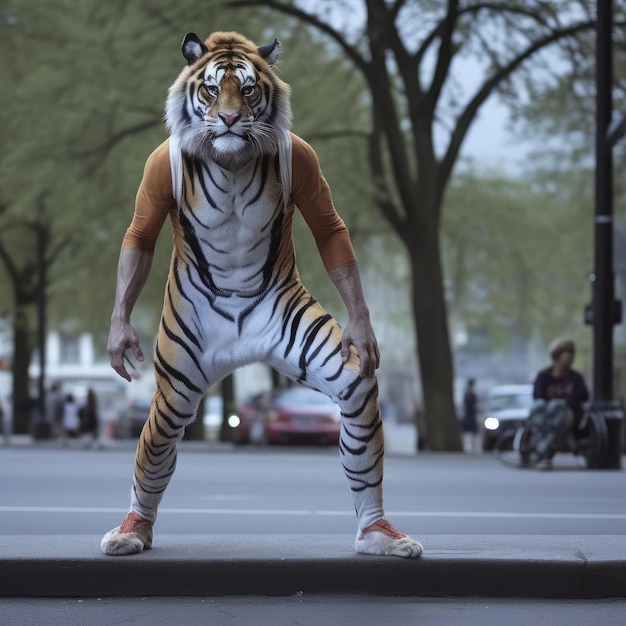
x: 559, y: 414
x: 359, y: 395
x: 538, y: 412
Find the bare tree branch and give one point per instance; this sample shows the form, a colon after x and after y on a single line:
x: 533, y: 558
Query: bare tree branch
x: 9, y: 266
x: 468, y: 115
x: 445, y: 55
x: 383, y: 195
x: 308, y: 18
x: 57, y: 249
x: 103, y: 149
x: 385, y: 116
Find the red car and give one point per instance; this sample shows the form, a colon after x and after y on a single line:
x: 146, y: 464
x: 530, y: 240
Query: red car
x: 295, y: 414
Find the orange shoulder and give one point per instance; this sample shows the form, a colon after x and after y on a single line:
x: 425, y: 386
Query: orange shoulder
x: 154, y: 201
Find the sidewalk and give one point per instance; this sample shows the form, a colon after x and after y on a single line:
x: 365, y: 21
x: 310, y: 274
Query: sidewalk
x: 273, y: 565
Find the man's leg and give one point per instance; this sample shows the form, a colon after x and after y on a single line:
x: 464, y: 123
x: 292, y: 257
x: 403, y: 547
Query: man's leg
x: 361, y: 450
x: 559, y: 421
x: 182, y: 377
x: 539, y: 428
x: 155, y: 462
x: 311, y: 356
x: 548, y: 422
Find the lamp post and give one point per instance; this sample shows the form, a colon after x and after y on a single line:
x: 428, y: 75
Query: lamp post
x: 605, y: 310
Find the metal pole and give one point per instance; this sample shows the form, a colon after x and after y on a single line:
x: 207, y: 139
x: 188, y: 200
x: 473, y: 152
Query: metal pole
x: 603, y: 285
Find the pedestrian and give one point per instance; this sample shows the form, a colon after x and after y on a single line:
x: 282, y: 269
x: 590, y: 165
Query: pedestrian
x: 54, y: 410
x: 229, y: 177
x: 89, y: 416
x: 71, y: 419
x: 469, y: 420
x: 559, y: 394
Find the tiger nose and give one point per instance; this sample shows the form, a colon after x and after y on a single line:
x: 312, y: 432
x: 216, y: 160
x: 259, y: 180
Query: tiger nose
x: 229, y: 118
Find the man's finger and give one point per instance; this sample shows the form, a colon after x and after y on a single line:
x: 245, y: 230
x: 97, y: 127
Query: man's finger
x: 345, y: 349
x: 121, y: 370
x: 367, y: 367
x: 137, y: 352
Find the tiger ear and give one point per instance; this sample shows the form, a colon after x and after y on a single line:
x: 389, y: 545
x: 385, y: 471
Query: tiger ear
x: 193, y: 48
x: 271, y: 52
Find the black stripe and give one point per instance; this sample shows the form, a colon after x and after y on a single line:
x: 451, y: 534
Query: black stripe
x: 351, y: 389
x: 294, y: 325
x: 179, y: 341
x: 175, y: 373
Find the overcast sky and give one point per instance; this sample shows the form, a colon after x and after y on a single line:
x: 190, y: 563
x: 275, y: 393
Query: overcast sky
x: 490, y: 143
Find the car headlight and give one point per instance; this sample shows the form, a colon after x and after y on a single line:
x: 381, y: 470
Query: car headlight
x: 492, y: 423
x: 234, y: 421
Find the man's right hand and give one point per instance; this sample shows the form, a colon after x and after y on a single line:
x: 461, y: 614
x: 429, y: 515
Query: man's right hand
x: 122, y: 338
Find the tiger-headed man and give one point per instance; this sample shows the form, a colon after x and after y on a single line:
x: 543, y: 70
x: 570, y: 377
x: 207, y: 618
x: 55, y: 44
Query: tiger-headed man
x: 229, y: 178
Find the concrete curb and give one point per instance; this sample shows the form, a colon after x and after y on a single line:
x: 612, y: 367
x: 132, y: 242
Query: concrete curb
x: 220, y: 565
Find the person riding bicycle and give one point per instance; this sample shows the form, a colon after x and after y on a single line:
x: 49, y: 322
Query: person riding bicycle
x: 559, y: 394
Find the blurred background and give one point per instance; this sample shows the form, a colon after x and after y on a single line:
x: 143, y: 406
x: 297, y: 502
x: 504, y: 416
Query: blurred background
x: 458, y: 139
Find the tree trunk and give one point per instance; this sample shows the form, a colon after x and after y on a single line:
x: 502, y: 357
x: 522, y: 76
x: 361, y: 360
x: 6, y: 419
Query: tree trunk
x: 433, y: 346
x: 22, y: 350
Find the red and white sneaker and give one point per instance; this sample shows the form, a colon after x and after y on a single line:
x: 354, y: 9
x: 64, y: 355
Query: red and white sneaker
x: 382, y: 538
x: 132, y: 536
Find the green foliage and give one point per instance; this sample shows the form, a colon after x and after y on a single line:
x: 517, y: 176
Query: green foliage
x: 518, y: 253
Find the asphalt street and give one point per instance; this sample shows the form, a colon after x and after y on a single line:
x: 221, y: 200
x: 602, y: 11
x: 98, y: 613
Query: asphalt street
x: 289, y: 490
x: 302, y: 610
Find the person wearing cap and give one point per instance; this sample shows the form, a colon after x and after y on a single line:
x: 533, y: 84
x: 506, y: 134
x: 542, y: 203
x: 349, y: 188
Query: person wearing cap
x: 559, y: 394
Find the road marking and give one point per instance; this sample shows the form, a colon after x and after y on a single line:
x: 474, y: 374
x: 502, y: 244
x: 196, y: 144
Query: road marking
x: 304, y: 512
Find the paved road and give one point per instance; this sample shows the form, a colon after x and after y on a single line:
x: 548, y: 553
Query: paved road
x: 302, y: 490
x: 310, y: 611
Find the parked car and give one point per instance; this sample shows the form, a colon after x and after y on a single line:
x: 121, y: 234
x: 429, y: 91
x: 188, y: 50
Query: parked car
x: 506, y: 407
x: 293, y: 414
x: 131, y: 420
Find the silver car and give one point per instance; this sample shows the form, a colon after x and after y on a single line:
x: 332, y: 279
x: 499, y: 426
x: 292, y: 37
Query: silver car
x: 507, y: 407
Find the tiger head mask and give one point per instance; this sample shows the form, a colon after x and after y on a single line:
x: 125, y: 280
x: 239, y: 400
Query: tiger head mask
x: 227, y: 103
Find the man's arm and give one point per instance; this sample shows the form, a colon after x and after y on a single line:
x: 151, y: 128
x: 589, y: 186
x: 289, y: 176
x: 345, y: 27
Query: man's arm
x: 311, y: 194
x: 132, y: 272
x: 580, y: 393
x: 540, y: 391
x: 358, y: 332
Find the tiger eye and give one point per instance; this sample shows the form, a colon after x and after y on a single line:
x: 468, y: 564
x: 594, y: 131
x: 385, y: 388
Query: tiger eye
x: 209, y: 91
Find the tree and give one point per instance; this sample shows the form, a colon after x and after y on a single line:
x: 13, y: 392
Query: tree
x: 409, y: 53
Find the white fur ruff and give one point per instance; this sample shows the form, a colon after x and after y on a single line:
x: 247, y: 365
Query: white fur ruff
x: 378, y: 543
